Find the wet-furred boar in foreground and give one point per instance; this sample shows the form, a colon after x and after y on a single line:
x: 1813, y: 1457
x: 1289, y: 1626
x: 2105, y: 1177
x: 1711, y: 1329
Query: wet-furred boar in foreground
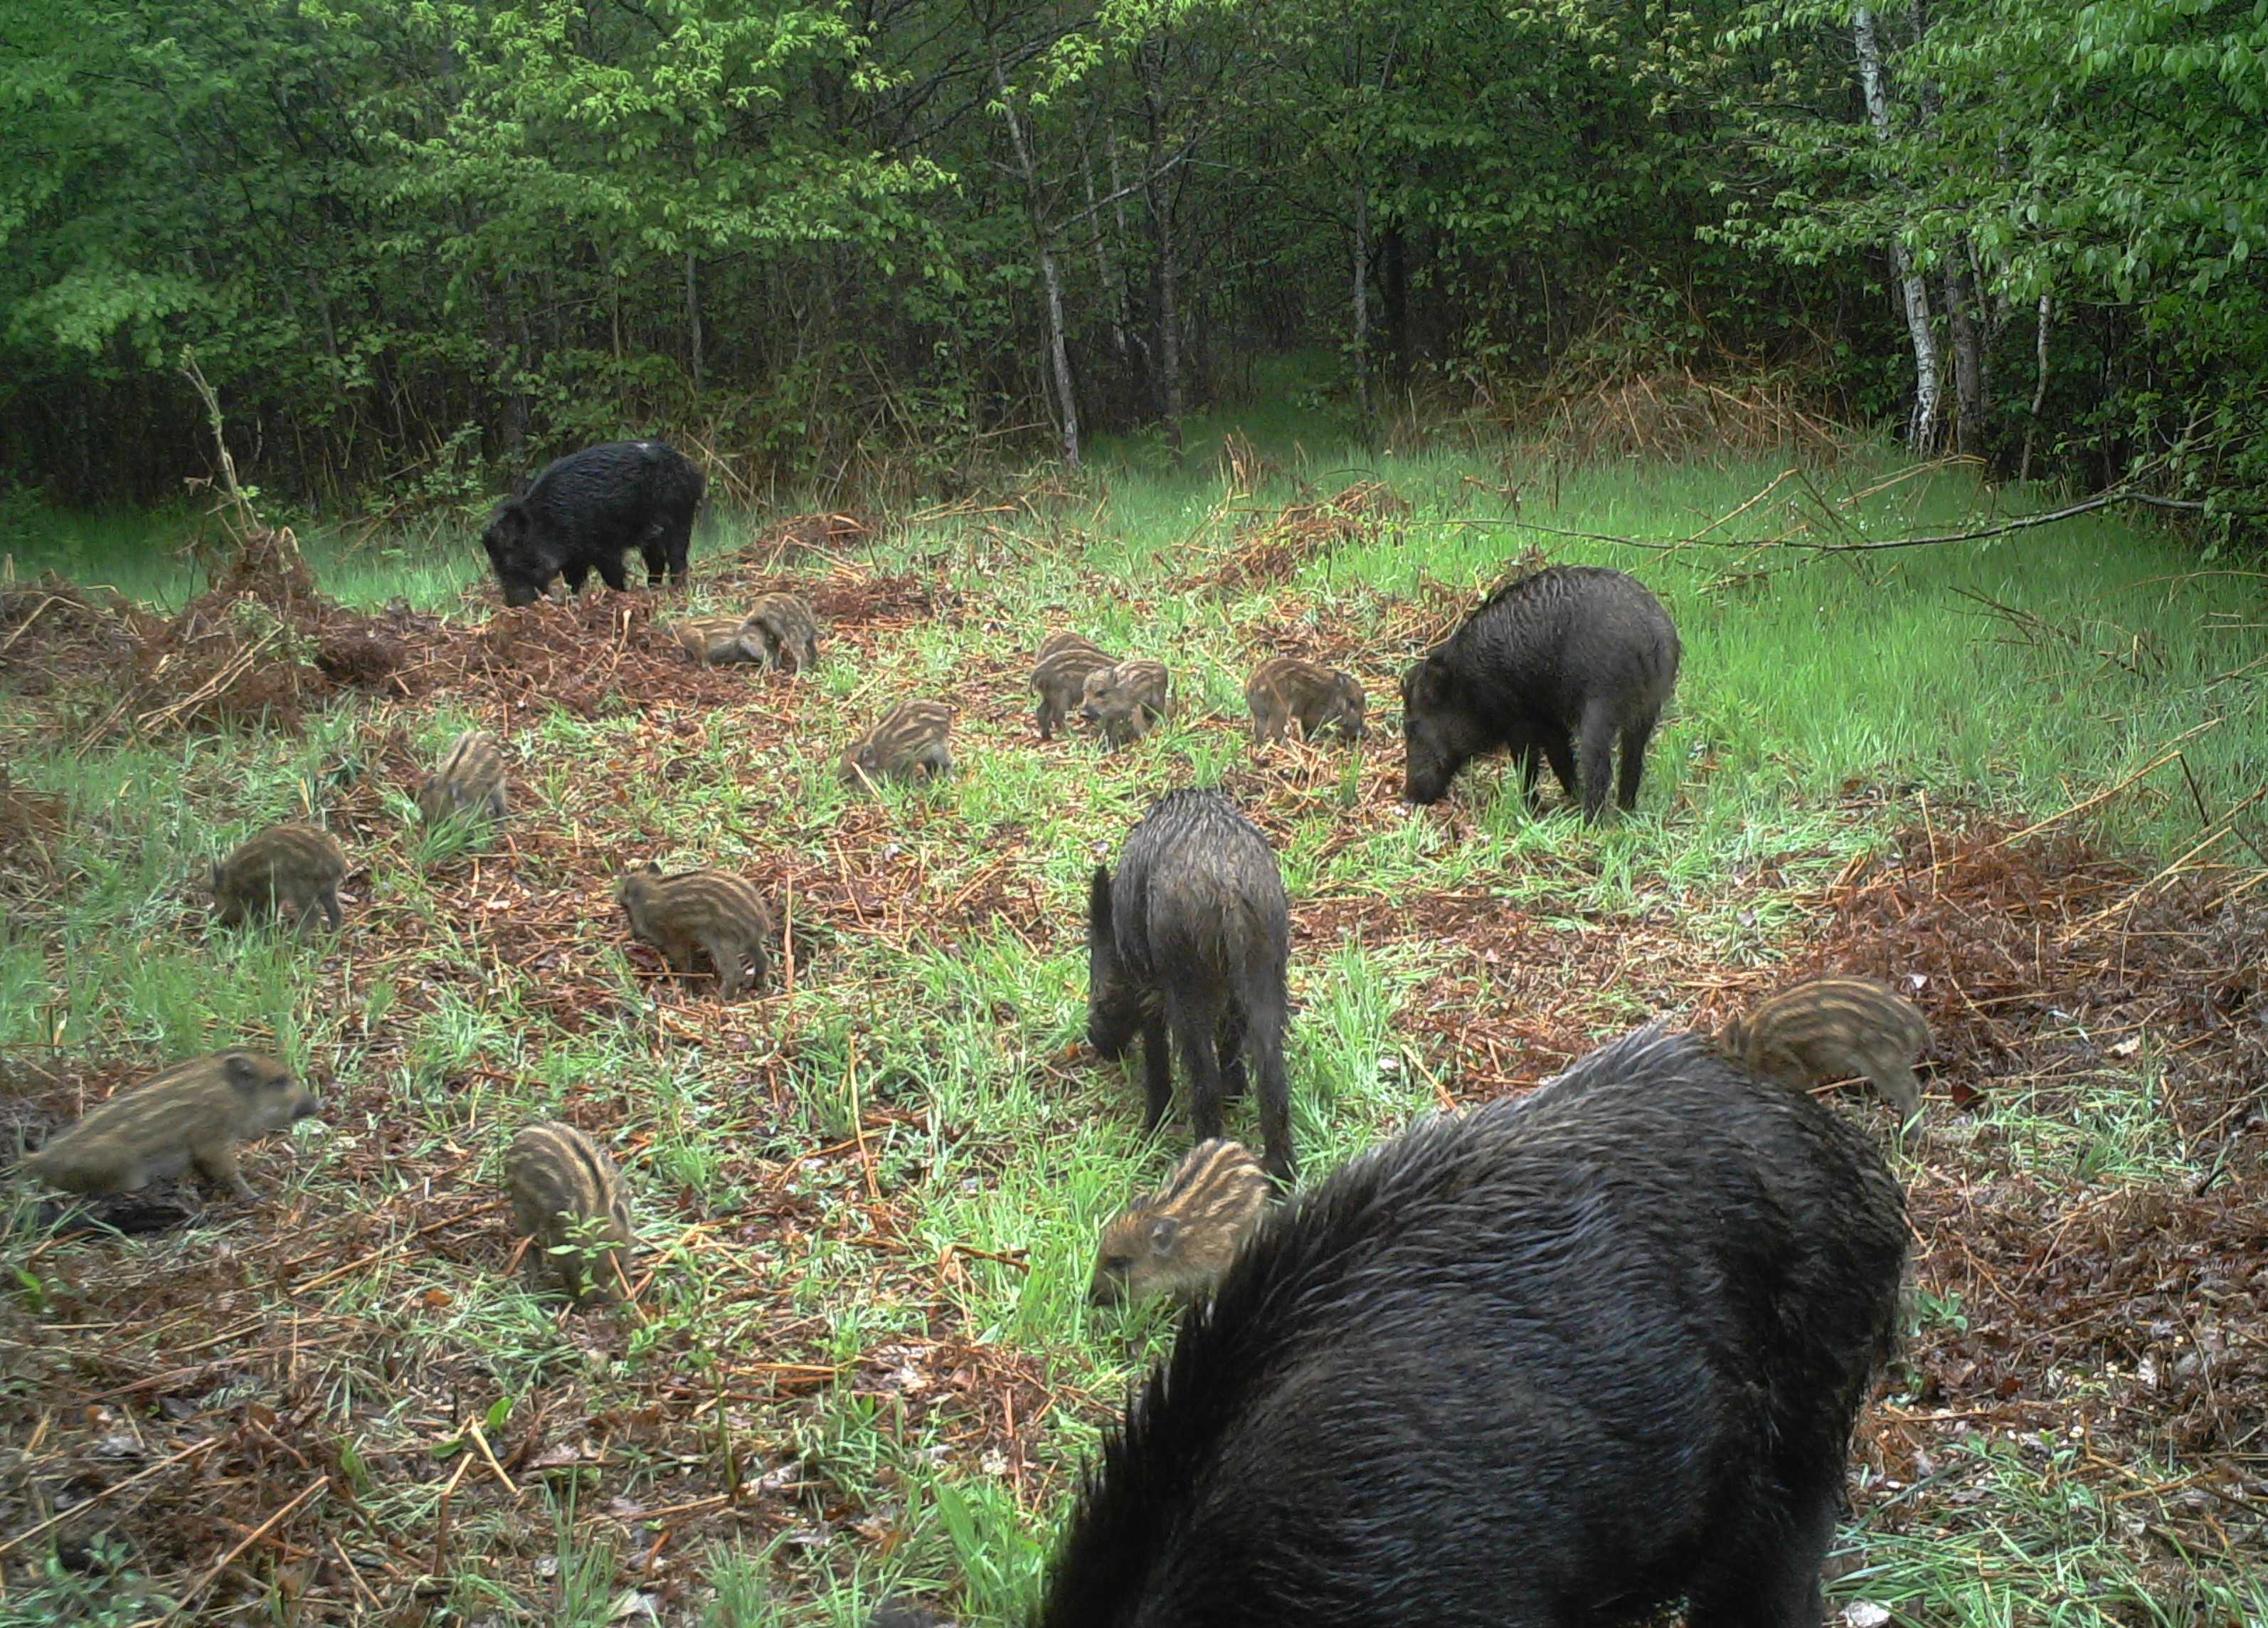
x: 1555, y: 1362
x: 588, y: 509
x: 1191, y: 941
x: 1560, y: 664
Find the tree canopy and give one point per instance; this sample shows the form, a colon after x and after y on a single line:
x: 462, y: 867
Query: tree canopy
x: 410, y: 244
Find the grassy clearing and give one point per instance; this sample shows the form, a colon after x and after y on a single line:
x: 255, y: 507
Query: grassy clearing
x: 866, y: 1206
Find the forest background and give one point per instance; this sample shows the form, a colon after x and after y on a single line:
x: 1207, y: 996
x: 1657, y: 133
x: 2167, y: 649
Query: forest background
x: 873, y: 243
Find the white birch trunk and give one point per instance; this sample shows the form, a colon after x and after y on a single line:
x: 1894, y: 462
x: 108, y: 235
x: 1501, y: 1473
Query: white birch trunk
x: 1051, y: 279
x: 1913, y: 291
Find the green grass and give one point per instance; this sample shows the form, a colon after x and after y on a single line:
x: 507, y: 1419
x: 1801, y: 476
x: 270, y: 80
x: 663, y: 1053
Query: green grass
x: 905, y: 1153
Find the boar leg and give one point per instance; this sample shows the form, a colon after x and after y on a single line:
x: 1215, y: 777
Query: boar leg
x: 1559, y: 749
x: 725, y: 955
x: 1196, y: 1024
x: 1233, y: 1079
x: 1772, y: 1580
x: 216, y: 1161
x: 1263, y: 1040
x: 1594, y: 753
x: 1633, y: 763
x: 1157, y: 1071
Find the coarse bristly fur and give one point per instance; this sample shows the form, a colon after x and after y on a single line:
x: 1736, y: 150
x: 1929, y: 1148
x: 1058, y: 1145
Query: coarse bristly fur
x: 589, y: 508
x: 1177, y: 1241
x: 1190, y: 941
x: 1562, y: 1361
x: 1562, y: 666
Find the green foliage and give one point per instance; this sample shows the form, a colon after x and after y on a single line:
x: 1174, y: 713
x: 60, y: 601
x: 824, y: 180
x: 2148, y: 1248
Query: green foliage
x: 2106, y: 161
x: 416, y: 247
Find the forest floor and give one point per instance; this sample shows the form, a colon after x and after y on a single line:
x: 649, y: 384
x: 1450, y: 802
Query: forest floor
x: 2020, y: 778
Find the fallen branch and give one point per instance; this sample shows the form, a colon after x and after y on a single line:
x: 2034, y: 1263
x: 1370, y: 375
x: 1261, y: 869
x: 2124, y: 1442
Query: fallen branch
x: 2026, y: 522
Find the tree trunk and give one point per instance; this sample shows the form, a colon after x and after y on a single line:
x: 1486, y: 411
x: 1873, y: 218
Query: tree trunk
x: 693, y: 314
x: 1159, y: 193
x: 1968, y: 359
x: 1913, y: 291
x: 1051, y: 279
x: 1118, y: 216
x: 1109, y: 285
x: 2039, y: 388
x: 1393, y: 292
x: 1360, y: 285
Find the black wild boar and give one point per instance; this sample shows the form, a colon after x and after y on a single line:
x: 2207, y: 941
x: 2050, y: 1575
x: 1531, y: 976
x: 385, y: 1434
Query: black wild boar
x: 1191, y: 940
x: 1558, y: 665
x: 588, y: 509
x: 1555, y: 1363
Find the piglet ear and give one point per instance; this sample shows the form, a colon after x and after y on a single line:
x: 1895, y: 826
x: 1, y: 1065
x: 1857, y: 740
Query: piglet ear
x: 241, y: 1073
x: 1163, y: 1230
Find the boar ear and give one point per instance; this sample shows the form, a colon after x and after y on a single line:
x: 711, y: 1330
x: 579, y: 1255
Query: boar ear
x: 241, y: 1073
x: 1163, y: 1231
x: 1098, y: 902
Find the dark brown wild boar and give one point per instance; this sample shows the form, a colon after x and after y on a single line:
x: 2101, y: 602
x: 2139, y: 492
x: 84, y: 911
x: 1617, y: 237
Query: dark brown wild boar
x: 717, y: 641
x: 1177, y: 1241
x: 1283, y: 688
x: 293, y: 869
x: 1124, y: 701
x: 719, y: 915
x: 570, y: 1199
x: 1060, y: 678
x: 470, y: 781
x: 912, y: 742
x: 1835, y: 1028
x: 786, y: 631
x: 190, y: 1116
